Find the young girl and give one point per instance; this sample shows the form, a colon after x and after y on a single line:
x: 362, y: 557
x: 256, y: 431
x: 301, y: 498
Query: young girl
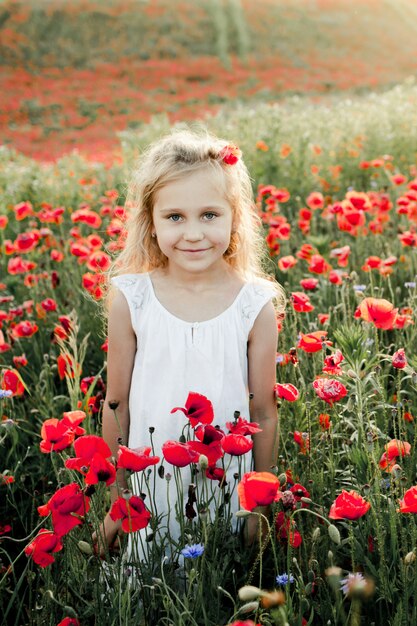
x: 190, y: 308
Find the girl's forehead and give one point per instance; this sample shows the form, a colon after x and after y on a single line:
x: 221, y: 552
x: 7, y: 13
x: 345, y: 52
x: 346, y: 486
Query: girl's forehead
x: 205, y: 185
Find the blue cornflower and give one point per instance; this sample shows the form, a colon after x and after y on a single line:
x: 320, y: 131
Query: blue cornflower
x: 284, y: 579
x: 410, y: 285
x: 359, y: 287
x: 5, y: 393
x: 193, y: 551
x: 279, y: 358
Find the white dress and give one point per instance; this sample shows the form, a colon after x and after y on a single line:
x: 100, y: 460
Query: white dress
x: 175, y: 357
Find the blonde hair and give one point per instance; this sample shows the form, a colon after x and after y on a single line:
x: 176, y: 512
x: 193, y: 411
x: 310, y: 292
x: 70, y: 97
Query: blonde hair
x: 171, y: 158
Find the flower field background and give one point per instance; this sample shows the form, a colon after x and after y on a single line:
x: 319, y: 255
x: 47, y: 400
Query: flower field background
x: 336, y: 186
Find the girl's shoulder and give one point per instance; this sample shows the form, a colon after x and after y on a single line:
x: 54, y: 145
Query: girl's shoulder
x: 135, y: 288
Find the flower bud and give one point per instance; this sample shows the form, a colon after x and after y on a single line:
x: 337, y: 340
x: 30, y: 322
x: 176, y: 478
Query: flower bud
x: 334, y: 534
x: 203, y: 461
x: 85, y: 547
x: 243, y: 513
x: 249, y: 607
x: 409, y: 558
x: 249, y: 593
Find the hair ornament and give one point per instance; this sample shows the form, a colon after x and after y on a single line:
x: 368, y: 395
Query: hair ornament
x: 230, y: 154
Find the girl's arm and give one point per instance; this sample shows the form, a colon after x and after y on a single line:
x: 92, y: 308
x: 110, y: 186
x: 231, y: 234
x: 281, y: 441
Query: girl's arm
x: 120, y: 361
x: 262, y: 348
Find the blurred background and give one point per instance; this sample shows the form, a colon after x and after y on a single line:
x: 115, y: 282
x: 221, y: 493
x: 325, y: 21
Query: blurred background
x: 74, y: 74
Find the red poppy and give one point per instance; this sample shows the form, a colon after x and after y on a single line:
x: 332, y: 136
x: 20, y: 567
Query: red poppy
x: 324, y: 421
x: 378, y: 311
x: 309, y: 284
x: 216, y: 473
x: 306, y: 251
x: 20, y: 361
x: 329, y: 389
x: 331, y: 363
x: 285, y: 263
x: 299, y: 492
x: 349, y: 505
x: 87, y: 216
x: 287, y: 530
x: 24, y: 329
x: 258, y: 489
x: 287, y: 391
x: 399, y: 360
x: 341, y: 254
x: 68, y: 506
x: 22, y: 210
x: 303, y: 440
x: 6, y: 479
x: 49, y: 304
x: 323, y: 318
x: 69, y: 621
x: 73, y: 419
x: 209, y: 444
x: 91, y: 460
x: 11, y: 381
x: 179, y: 454
x: 66, y: 366
x: 56, y: 435
x: 315, y: 200
x: 318, y: 265
x: 98, y: 261
x: 236, y: 444
x: 197, y: 408
x: 409, y: 502
x: 43, y: 546
x: 313, y: 342
x: 230, y: 154
x: 243, y: 427
x: 301, y: 302
x: 137, y: 459
x: 132, y: 512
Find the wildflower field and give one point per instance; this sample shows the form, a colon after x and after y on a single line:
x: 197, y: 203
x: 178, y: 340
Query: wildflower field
x: 336, y: 187
x: 335, y: 182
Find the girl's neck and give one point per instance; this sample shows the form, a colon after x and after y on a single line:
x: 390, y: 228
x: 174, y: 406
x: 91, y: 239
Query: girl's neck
x: 196, y: 281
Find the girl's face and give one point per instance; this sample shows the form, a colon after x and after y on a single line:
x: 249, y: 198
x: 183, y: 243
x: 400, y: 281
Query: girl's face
x: 193, y: 221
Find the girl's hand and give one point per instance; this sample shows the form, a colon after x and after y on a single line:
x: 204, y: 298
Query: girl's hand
x: 107, y: 539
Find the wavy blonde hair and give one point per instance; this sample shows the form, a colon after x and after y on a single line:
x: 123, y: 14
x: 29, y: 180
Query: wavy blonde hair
x: 178, y: 154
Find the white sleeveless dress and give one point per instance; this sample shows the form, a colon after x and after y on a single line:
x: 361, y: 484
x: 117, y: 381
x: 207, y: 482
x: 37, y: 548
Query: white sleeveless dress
x: 175, y: 357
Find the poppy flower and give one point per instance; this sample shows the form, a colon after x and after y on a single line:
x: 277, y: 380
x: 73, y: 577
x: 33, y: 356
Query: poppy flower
x: 303, y: 441
x: 73, y: 419
x: 236, y: 445
x: 49, y: 304
x: 324, y: 421
x: 216, y: 473
x: 315, y: 200
x: 409, y: 502
x: 137, y: 459
x: 86, y: 216
x: 12, y: 381
x: 331, y: 363
x: 399, y: 360
x: 285, y: 263
x: 243, y: 427
x: 349, y: 505
x: 209, y: 442
x: 230, y: 154
x: 92, y: 453
x: 98, y: 261
x: 287, y: 391
x: 24, y: 329
x: 69, y: 621
x: 67, y: 506
x: 22, y: 210
x: 179, y: 454
x: 309, y: 284
x: 197, y: 408
x: 66, y: 366
x: 323, y: 318
x: 378, y: 311
x: 56, y: 435
x: 341, y: 254
x: 43, y: 546
x: 313, y: 342
x: 287, y: 530
x: 318, y: 265
x: 258, y: 489
x: 301, y: 302
x: 329, y: 389
x: 132, y: 512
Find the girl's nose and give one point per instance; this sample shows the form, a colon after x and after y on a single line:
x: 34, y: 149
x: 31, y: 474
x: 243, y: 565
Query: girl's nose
x: 193, y: 235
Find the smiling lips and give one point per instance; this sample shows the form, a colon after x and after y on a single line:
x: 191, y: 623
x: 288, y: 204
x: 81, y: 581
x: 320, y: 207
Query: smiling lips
x: 189, y: 250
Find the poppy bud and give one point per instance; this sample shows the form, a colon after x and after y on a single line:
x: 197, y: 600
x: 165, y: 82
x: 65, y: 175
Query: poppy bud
x: 249, y: 607
x: 248, y: 593
x: 113, y: 404
x: 334, y: 534
x: 409, y: 558
x: 85, y: 547
x: 161, y: 471
x: 151, y: 429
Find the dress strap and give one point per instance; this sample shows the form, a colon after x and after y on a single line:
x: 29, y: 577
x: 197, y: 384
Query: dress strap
x: 256, y: 296
x: 135, y: 288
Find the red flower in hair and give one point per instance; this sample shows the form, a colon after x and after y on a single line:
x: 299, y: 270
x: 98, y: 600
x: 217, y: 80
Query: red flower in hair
x: 43, y: 546
x: 132, y: 512
x: 230, y: 154
x: 67, y: 506
x: 197, y: 408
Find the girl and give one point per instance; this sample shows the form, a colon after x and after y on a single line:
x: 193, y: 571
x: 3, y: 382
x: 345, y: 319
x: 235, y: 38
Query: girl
x: 190, y: 307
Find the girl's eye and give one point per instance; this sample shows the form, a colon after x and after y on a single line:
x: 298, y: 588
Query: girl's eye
x: 174, y: 217
x: 210, y: 216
